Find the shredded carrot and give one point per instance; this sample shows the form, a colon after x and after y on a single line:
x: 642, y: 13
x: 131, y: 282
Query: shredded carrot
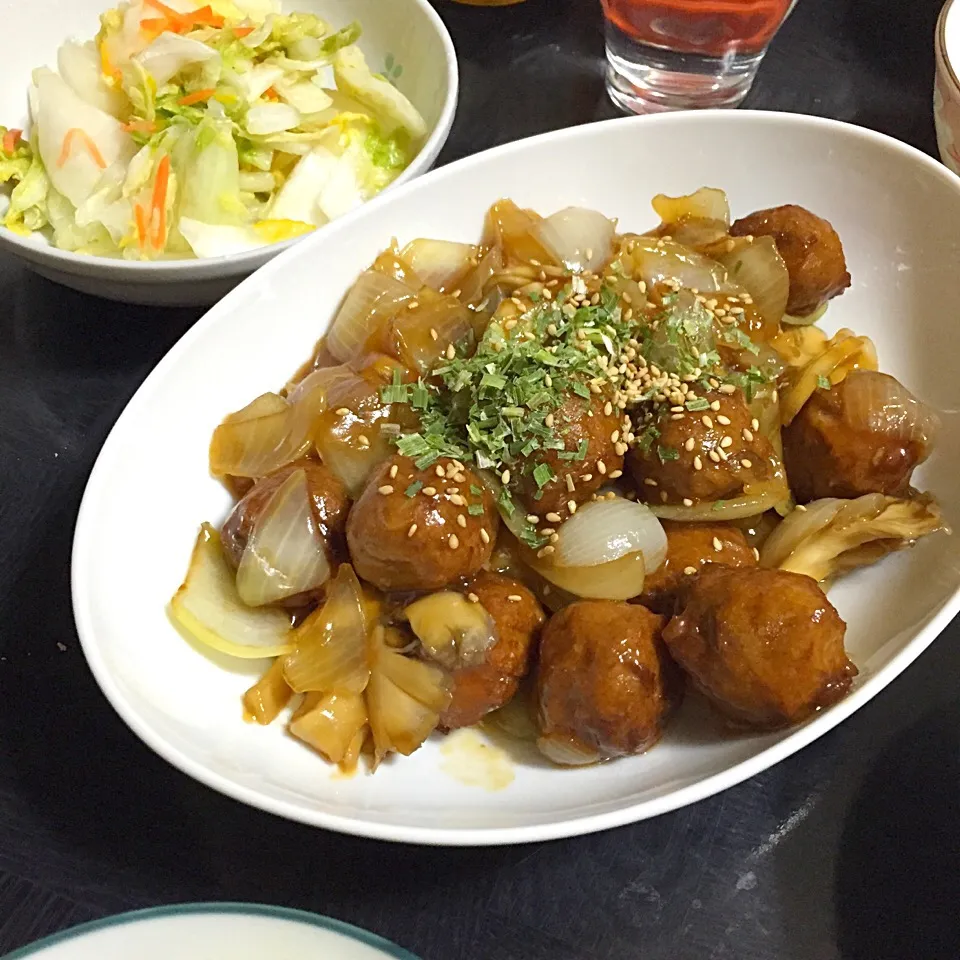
x: 206, y: 17
x: 168, y: 12
x: 155, y: 26
x: 198, y: 96
x: 241, y: 32
x: 140, y: 126
x: 158, y: 203
x: 10, y: 140
x: 106, y: 65
x: 270, y: 94
x: 177, y: 22
x: 85, y: 139
x: 141, y: 216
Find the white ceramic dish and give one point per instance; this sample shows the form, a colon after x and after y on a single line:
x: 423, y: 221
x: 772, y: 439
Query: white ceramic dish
x: 201, y: 931
x: 408, y: 31
x: 898, y: 214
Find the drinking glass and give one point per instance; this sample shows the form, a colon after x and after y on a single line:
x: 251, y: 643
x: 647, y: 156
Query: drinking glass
x: 683, y: 54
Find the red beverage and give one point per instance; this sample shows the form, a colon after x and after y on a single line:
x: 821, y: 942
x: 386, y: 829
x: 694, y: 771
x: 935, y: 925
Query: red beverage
x: 710, y: 28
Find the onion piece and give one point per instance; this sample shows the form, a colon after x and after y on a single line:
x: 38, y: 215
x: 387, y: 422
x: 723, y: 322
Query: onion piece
x: 708, y: 203
x: 754, y: 502
x: 515, y: 719
x: 758, y: 267
x: 882, y: 406
x: 440, y: 264
x: 566, y: 751
x: 419, y: 338
x: 452, y: 630
x: 473, y: 285
x: 399, y: 723
x: 329, y: 723
x: 266, y: 118
x: 331, y: 644
x: 842, y: 354
x: 811, y: 318
x: 696, y: 233
x: 832, y: 536
x: 209, y: 610
x: 426, y: 683
x: 268, y: 696
x: 605, y: 530
x: 374, y: 298
x: 514, y: 231
x: 580, y: 239
x: 620, y: 579
x: 653, y: 261
x: 285, y: 554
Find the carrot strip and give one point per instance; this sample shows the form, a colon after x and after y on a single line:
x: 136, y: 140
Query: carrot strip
x: 205, y: 17
x: 86, y: 141
x: 158, y: 203
x: 141, y: 216
x: 241, y: 32
x: 10, y: 140
x: 196, y: 97
x: 270, y: 94
x: 156, y: 26
x: 140, y: 126
x: 160, y: 7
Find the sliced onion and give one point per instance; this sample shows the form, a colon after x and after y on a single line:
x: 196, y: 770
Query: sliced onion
x: 653, y: 261
x: 764, y: 497
x: 391, y: 264
x: 811, y: 318
x: 331, y: 644
x: 698, y: 234
x: 426, y: 683
x: 285, y: 553
x: 267, y: 118
x: 797, y: 346
x: 374, y: 298
x: 881, y: 405
x: 473, y: 285
x: 514, y: 231
x: 617, y: 580
x: 208, y: 608
x: 452, y: 630
x: 514, y: 719
x: 268, y: 696
x: 440, y: 264
x: 259, y: 34
x: 605, y: 530
x: 329, y: 723
x: 707, y: 203
x: 566, y: 751
x: 758, y: 267
x: 580, y: 239
x: 419, y: 338
x: 842, y: 354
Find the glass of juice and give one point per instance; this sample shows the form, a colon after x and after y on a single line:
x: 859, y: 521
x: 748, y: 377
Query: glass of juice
x: 683, y: 54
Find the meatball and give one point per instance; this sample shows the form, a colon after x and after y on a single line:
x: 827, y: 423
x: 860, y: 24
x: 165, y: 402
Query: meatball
x: 604, y: 684
x: 691, y: 547
x: 575, y: 478
x: 328, y: 501
x: 765, y: 646
x: 832, y: 449
x: 810, y: 248
x: 517, y: 617
x: 703, y: 455
x: 414, y: 529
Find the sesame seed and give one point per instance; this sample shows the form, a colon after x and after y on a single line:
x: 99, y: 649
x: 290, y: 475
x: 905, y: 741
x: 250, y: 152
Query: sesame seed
x: 747, y: 464
x: 723, y: 454
x: 440, y: 472
x: 649, y: 481
x: 572, y: 506
x: 608, y: 408
x: 676, y: 416
x: 514, y: 597
x: 689, y: 445
x: 801, y: 508
x: 460, y: 477
x: 451, y: 353
x: 535, y: 263
x: 717, y: 544
x: 456, y: 499
x: 714, y: 456
x: 707, y: 422
x: 484, y: 536
x: 589, y: 253
x: 601, y: 467
x: 571, y: 485
x: 342, y: 411
x: 456, y: 293
x: 687, y: 502
x: 679, y: 408
x: 548, y: 531
x: 548, y: 420
x: 473, y: 598
x: 554, y: 537
x: 454, y: 541
x: 728, y: 388
x: 726, y: 442
x: 363, y: 440
x: 747, y: 434
x: 689, y: 571
x: 697, y: 463
x: 434, y: 335
x: 461, y: 520
x: 412, y: 530
x: 620, y: 449
x: 533, y: 518
x: 413, y: 304
x: 615, y: 436
x: 554, y: 518
x: 393, y: 472
x: 586, y: 477
x: 545, y: 551
x: 724, y: 420
x: 616, y: 474
x: 385, y: 490
x: 715, y: 406
x: 547, y: 294
x: 429, y: 491
x: 505, y: 477
x: 756, y: 554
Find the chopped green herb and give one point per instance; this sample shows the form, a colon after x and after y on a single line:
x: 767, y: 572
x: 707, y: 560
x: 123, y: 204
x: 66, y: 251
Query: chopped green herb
x: 414, y: 488
x: 475, y: 509
x: 667, y: 453
x: 735, y: 336
x: 475, y: 490
x: 542, y: 475
x: 698, y: 403
x: 824, y: 382
x: 719, y: 505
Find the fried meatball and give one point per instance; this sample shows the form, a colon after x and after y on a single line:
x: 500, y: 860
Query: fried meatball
x: 765, y: 646
x: 703, y: 455
x: 328, y: 501
x: 413, y: 530
x: 517, y: 617
x: 810, y: 248
x: 604, y: 684
x: 576, y: 420
x: 691, y: 547
x: 832, y: 449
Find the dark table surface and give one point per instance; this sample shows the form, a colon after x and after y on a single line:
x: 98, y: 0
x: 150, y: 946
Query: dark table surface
x: 849, y: 849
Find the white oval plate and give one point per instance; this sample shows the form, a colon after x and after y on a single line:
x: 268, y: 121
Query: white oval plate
x: 202, y: 931
x: 898, y: 213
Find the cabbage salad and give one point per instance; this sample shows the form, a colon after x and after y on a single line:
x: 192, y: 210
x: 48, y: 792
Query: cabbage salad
x: 187, y: 130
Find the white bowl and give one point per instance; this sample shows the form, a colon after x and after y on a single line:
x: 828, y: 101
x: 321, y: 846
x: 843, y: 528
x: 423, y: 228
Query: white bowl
x: 200, y: 931
x: 409, y: 31
x: 898, y: 213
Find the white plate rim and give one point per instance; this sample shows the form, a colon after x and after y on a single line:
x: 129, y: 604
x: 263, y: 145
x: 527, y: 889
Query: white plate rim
x: 84, y: 535
x: 213, y: 908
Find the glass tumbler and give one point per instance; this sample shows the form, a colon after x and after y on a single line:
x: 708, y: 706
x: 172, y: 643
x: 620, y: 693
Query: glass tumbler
x: 684, y: 54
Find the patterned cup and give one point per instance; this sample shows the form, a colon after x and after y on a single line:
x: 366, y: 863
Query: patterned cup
x: 946, y: 87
